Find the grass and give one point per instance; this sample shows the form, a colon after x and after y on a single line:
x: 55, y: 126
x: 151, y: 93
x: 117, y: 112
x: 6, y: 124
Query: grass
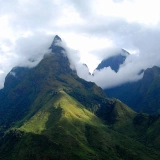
x: 71, y: 111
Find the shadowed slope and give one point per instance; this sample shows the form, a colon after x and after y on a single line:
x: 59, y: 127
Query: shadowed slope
x: 114, y: 61
x: 143, y: 95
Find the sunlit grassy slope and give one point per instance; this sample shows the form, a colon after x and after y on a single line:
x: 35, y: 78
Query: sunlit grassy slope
x: 66, y: 108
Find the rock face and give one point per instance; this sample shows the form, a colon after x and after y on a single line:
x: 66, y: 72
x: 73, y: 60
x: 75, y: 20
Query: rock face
x: 56, y: 45
x: 114, y: 61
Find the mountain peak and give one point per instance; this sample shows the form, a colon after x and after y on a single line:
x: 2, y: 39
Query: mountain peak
x: 56, y: 45
x: 57, y: 38
x: 114, y: 61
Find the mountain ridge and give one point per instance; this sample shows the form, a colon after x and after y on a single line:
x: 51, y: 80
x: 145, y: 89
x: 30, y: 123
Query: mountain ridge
x: 48, y: 112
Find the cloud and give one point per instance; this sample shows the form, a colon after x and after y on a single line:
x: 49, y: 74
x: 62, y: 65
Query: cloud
x: 83, y: 8
x: 27, y: 29
x: 75, y: 61
x: 128, y: 72
x: 107, y: 78
x: 27, y: 51
x: 73, y: 55
x: 106, y: 52
x: 27, y: 15
x: 118, y: 1
x: 32, y: 48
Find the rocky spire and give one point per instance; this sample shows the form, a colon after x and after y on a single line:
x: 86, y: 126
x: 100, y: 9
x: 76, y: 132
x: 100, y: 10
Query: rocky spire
x: 56, y: 45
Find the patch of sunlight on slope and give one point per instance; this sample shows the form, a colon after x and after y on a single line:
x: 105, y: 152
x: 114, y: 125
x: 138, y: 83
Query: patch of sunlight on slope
x: 73, y: 111
x: 37, y: 123
x: 64, y: 111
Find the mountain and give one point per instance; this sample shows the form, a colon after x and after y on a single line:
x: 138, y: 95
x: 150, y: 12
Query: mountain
x: 56, y: 45
x: 23, y: 86
x: 143, y: 95
x: 114, y: 61
x: 48, y: 112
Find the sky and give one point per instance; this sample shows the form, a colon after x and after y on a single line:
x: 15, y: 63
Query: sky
x: 91, y: 31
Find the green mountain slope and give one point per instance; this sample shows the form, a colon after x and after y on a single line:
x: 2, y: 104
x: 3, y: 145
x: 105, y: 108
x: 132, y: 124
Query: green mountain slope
x: 118, y: 116
x: 64, y: 129
x: 142, y: 127
x: 143, y: 95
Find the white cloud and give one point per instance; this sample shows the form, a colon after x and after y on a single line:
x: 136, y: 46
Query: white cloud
x: 141, y: 11
x: 24, y: 50
x: 91, y: 27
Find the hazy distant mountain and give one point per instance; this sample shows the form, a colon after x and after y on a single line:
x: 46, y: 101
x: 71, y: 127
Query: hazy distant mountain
x: 114, y: 61
x: 143, y: 95
x: 48, y: 112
